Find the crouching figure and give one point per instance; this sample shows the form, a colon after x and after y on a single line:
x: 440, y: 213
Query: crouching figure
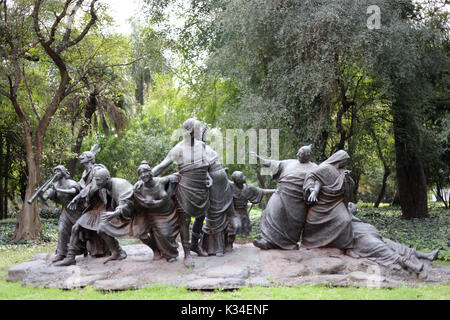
x: 149, y: 214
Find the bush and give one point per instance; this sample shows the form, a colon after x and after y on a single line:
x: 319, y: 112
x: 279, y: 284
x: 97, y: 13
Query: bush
x: 423, y: 234
x: 50, y: 213
x: 49, y: 233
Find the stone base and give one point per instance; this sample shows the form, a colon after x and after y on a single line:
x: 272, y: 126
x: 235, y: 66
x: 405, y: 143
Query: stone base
x: 245, y: 266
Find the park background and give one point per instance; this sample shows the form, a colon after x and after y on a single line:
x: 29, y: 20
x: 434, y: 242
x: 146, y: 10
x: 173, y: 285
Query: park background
x: 332, y: 74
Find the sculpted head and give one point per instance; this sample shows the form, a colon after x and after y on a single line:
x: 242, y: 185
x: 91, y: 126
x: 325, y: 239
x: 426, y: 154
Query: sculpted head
x: 102, y: 177
x: 145, y: 172
x: 61, y: 172
x: 192, y: 128
x: 304, y: 154
x: 88, y: 157
x: 338, y: 159
x: 238, y: 177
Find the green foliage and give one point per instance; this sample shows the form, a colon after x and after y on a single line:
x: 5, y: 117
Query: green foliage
x: 424, y: 234
x: 49, y: 234
x: 50, y: 213
x: 144, y: 139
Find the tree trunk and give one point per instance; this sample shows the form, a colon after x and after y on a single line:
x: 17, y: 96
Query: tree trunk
x: 262, y: 185
x: 28, y: 225
x: 139, y: 93
x: 411, y: 178
x: 386, y: 174
x: 7, y: 166
x: 89, y: 112
x: 396, y: 199
x: 356, y: 178
x: 440, y: 195
x: 1, y: 177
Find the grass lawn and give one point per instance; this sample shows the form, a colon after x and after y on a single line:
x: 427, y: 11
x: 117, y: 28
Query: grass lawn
x: 428, y: 234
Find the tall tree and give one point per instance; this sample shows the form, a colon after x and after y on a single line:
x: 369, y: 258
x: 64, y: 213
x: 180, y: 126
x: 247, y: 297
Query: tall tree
x: 295, y: 60
x: 408, y: 62
x: 20, y: 32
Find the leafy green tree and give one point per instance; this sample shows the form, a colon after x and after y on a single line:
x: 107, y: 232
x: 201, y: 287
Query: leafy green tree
x: 314, y: 66
x: 148, y: 57
x: 37, y: 44
x: 104, y: 99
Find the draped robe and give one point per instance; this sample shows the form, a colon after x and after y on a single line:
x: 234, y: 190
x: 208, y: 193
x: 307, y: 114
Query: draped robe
x: 328, y: 222
x: 142, y: 216
x: 220, y: 212
x: 283, y: 219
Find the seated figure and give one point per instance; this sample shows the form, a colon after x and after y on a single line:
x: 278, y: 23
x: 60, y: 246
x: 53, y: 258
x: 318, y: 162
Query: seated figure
x: 368, y: 243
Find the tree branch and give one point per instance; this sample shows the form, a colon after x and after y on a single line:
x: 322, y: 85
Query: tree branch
x: 84, y: 32
x: 30, y: 95
x: 70, y: 22
x: 58, y: 19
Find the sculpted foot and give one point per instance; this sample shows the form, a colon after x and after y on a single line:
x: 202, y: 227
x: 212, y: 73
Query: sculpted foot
x: 58, y: 257
x: 116, y: 256
x: 171, y: 260
x: 429, y: 255
x: 415, y: 266
x: 198, y: 250
x: 433, y: 255
x: 68, y: 261
x: 262, y: 244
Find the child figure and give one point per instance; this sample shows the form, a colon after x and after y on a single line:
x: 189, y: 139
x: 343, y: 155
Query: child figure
x: 242, y: 194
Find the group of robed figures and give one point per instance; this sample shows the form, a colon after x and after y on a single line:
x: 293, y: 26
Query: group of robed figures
x: 309, y: 207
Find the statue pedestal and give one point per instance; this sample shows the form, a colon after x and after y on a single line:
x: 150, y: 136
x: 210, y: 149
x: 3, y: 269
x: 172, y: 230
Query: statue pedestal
x: 245, y: 266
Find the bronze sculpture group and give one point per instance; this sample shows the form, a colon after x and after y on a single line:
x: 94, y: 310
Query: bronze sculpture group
x: 309, y: 206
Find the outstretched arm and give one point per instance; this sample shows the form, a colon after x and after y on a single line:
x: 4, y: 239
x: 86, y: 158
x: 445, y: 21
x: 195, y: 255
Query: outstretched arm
x: 268, y: 191
x: 265, y: 162
x: 162, y: 166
